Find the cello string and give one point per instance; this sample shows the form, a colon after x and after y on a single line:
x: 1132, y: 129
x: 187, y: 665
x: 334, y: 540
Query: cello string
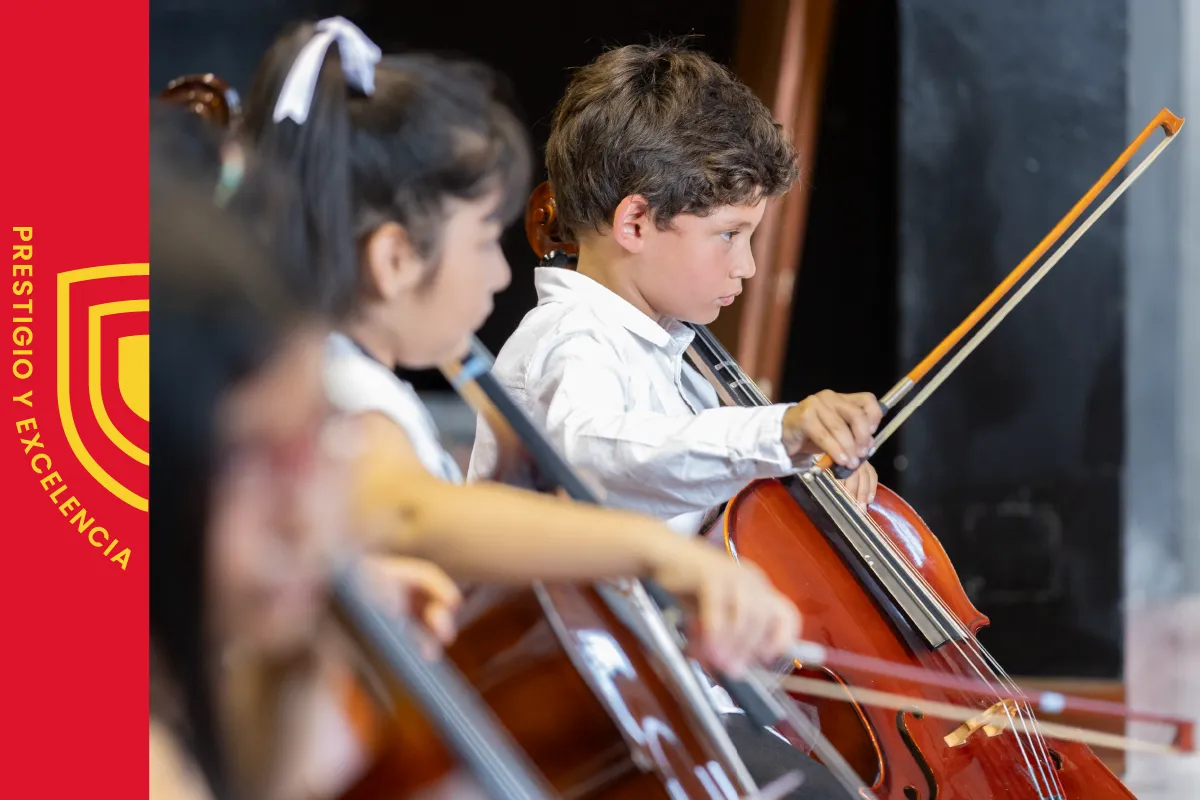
x: 968, y: 649
x: 1001, y: 671
x: 750, y: 394
x: 964, y: 638
x: 742, y: 385
x: 1044, y: 770
x: 985, y: 330
x: 967, y: 645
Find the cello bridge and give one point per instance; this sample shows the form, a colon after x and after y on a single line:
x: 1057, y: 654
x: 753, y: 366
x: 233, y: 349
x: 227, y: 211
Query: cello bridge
x: 993, y: 721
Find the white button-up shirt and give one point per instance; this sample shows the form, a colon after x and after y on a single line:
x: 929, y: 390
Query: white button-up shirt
x: 613, y: 391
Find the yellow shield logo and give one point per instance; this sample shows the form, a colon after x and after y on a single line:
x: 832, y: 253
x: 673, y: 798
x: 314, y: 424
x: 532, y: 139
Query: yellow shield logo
x: 103, y: 331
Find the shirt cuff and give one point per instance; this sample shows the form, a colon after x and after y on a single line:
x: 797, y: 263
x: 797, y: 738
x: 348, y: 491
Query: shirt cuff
x: 770, y: 438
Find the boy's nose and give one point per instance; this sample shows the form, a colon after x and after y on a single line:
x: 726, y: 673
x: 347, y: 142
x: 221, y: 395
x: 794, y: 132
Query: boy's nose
x: 744, y: 269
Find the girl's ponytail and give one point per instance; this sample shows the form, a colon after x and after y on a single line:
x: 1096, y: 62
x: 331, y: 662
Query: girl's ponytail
x: 298, y: 118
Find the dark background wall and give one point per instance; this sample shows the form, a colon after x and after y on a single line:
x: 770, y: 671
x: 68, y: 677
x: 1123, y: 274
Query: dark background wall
x: 953, y: 135
x: 536, y: 52
x: 1009, y: 112
x: 845, y: 309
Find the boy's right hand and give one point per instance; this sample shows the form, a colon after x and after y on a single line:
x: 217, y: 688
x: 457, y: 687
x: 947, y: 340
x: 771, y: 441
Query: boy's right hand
x: 742, y: 618
x: 842, y: 425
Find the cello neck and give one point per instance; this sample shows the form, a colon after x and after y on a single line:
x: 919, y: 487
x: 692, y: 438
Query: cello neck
x: 477, y: 369
x: 725, y: 369
x: 467, y: 725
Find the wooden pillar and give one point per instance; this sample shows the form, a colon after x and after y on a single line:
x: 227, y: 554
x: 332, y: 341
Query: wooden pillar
x: 781, y: 55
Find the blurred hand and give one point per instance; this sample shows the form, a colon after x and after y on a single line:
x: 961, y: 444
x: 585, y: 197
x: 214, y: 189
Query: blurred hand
x: 417, y: 589
x: 742, y: 619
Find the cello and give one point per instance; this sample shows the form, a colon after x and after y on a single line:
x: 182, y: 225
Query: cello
x: 878, y: 582
x: 206, y: 95
x: 639, y: 723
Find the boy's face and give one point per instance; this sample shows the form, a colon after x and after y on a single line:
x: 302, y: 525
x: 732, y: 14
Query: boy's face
x: 696, y: 267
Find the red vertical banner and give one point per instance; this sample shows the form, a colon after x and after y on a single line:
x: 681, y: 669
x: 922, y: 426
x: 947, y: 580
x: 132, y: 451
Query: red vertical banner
x: 75, y: 553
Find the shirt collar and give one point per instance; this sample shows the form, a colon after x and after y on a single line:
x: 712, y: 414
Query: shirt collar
x: 558, y: 284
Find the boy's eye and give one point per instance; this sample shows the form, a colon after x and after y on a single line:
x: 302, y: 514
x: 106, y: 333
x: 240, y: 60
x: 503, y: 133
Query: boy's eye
x: 728, y: 235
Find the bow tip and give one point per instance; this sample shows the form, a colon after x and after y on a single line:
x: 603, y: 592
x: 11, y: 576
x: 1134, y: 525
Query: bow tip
x: 1170, y: 122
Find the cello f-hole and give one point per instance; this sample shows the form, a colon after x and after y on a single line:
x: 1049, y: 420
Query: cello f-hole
x: 910, y: 792
x: 853, y: 727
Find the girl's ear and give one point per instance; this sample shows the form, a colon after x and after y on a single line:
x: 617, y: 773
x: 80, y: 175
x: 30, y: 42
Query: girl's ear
x: 391, y: 264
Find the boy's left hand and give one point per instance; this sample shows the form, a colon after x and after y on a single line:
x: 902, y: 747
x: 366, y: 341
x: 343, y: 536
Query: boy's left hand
x: 862, y: 484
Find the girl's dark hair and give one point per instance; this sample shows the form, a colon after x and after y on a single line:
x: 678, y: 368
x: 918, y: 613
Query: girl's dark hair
x: 433, y: 129
x: 216, y: 315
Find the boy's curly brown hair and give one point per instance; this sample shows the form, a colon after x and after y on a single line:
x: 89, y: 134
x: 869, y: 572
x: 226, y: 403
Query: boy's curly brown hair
x: 669, y: 124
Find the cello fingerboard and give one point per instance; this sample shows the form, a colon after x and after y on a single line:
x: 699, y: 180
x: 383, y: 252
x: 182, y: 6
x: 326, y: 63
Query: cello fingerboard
x: 860, y: 542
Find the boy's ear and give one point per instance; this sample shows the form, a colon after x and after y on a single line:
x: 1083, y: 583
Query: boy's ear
x: 630, y: 222
x: 391, y: 264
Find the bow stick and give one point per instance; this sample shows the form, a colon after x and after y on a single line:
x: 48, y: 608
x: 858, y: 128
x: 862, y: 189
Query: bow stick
x: 1000, y: 717
x: 807, y: 653
x: 1171, y: 125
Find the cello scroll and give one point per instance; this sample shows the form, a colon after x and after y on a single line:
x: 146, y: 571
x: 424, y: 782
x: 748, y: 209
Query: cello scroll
x: 207, y: 95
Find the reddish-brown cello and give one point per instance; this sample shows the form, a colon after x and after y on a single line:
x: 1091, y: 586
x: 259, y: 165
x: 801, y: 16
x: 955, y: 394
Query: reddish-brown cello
x: 206, y: 95
x: 879, y: 583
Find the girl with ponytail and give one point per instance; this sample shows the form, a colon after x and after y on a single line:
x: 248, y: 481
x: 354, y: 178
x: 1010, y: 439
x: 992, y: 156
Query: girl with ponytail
x: 248, y: 496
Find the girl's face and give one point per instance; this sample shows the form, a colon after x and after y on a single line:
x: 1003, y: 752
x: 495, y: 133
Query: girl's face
x: 431, y: 308
x: 278, y: 514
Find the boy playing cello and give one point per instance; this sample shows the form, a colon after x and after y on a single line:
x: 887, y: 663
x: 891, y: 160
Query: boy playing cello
x: 662, y: 164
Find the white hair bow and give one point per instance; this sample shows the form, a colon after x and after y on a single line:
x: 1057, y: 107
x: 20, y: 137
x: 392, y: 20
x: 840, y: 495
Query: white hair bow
x: 359, y: 57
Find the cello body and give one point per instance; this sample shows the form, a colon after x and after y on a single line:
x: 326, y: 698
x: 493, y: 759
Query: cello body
x: 901, y: 755
x: 579, y: 695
